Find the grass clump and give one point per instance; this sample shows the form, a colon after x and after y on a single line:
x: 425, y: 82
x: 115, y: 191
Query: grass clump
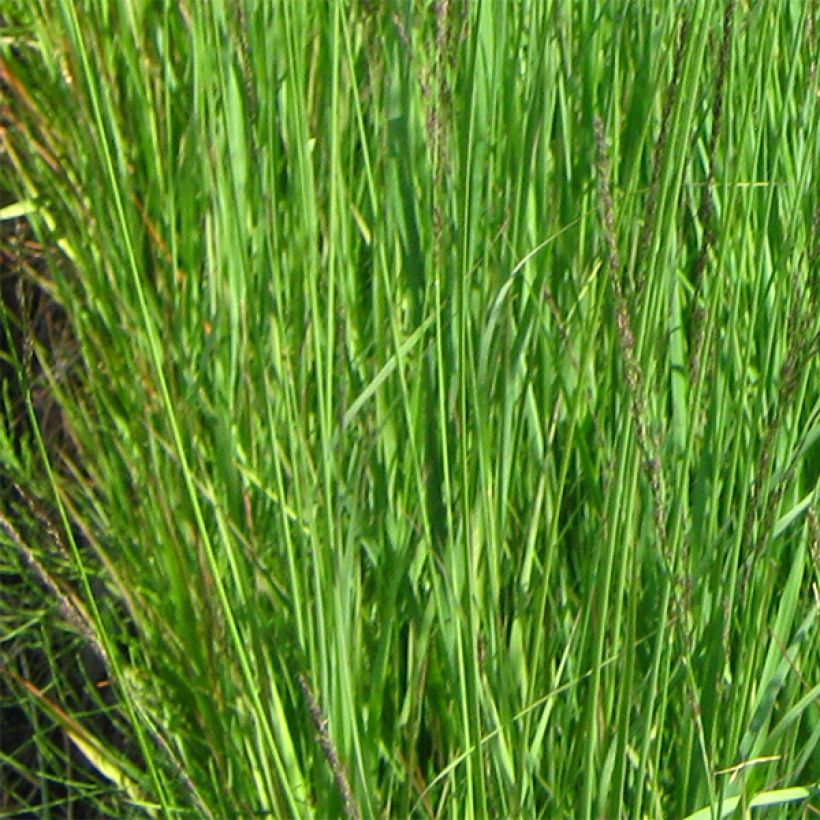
x: 412, y: 409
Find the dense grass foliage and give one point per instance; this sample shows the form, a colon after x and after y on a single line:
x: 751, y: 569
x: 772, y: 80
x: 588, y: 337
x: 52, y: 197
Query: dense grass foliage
x: 412, y: 408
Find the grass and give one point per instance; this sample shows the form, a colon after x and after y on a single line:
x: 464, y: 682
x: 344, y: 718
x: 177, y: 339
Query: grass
x: 413, y: 409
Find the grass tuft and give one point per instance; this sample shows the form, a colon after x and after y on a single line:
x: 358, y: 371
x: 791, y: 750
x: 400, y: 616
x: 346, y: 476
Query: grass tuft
x: 410, y: 409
